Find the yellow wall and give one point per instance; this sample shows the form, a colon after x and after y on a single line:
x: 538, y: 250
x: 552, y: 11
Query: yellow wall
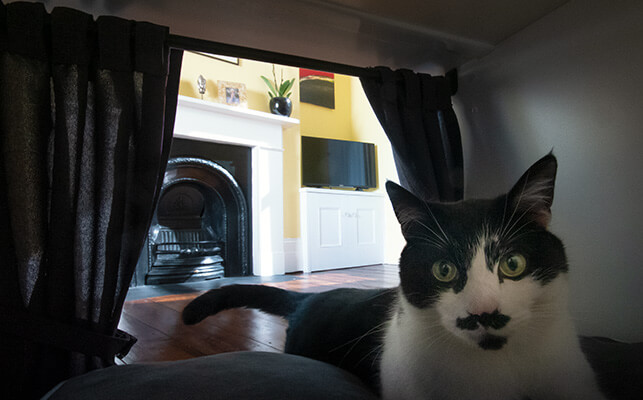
x: 247, y: 72
x: 332, y: 124
x: 352, y: 119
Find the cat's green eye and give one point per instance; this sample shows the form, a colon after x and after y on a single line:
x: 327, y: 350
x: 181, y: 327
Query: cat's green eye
x: 444, y: 271
x: 513, y: 266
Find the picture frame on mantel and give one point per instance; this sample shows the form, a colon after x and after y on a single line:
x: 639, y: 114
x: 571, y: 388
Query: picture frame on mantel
x: 233, y: 94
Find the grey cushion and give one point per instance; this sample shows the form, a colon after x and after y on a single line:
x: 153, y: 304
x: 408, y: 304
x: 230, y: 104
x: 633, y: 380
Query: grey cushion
x: 258, y: 375
x: 241, y: 375
x: 618, y: 366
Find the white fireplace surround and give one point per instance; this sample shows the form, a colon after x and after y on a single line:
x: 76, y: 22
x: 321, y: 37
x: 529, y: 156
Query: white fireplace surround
x: 262, y: 133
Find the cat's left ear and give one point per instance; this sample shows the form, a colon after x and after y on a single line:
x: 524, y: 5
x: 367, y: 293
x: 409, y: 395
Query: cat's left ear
x: 408, y: 208
x: 533, y: 195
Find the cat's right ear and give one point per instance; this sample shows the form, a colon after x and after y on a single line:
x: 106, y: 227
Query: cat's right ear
x: 408, y: 208
x: 533, y: 194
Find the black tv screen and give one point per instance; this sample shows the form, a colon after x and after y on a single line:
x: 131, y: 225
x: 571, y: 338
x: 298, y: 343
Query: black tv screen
x: 337, y: 163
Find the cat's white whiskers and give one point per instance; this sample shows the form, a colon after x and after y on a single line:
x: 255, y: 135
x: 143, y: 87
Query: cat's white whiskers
x: 504, y: 213
x: 511, y: 232
x: 517, y: 236
x: 446, y: 237
x: 522, y: 191
x: 441, y: 239
x: 427, y: 239
x: 356, y: 340
x: 377, y: 349
x: 408, y: 218
x: 378, y: 355
x: 372, y: 331
x: 436, y: 339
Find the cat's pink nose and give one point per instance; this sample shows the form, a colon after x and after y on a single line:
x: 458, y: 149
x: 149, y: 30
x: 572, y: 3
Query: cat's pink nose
x: 482, y: 306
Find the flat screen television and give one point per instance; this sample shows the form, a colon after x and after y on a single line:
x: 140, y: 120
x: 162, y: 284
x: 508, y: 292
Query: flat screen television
x: 337, y: 163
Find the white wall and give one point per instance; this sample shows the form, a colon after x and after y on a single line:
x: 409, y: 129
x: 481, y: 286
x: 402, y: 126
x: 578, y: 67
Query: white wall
x: 303, y: 28
x: 573, y: 82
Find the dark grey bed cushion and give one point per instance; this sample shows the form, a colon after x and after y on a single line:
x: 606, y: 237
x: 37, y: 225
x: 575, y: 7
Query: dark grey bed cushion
x: 618, y: 366
x: 258, y: 375
x: 241, y: 375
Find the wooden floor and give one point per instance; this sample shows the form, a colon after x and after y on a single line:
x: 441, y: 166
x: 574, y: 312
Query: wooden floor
x: 156, y: 321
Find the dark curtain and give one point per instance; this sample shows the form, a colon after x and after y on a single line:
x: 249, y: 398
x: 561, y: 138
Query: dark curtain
x: 416, y: 113
x: 85, y: 128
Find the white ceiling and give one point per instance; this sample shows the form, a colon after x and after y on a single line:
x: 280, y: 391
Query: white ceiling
x: 419, y: 34
x: 487, y: 21
x: 453, y: 31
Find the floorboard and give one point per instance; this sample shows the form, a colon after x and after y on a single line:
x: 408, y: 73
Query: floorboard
x: 153, y: 315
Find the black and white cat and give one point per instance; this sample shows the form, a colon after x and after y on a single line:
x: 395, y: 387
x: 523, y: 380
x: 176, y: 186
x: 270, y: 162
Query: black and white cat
x: 480, y: 313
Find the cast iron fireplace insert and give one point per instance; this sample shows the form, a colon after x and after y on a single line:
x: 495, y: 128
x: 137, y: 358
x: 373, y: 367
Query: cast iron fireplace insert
x: 200, y: 227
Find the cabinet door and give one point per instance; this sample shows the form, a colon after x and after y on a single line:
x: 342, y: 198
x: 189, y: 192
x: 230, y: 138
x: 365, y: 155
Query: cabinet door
x: 341, y: 230
x: 323, y: 231
x: 363, y: 230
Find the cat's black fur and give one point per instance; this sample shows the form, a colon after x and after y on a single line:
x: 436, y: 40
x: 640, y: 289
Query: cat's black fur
x: 345, y: 326
x: 342, y: 327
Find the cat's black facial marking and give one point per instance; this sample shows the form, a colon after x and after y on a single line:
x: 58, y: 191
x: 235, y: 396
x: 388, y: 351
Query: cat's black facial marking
x: 469, y: 323
x: 419, y: 286
x: 495, y: 320
x: 543, y: 251
x: 548, y: 255
x: 492, y: 342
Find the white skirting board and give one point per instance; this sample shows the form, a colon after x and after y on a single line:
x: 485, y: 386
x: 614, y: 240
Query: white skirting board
x: 292, y: 255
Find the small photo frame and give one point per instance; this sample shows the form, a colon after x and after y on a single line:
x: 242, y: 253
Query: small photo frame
x: 233, y: 94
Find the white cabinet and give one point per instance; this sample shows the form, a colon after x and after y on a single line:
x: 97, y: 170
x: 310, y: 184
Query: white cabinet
x: 341, y: 228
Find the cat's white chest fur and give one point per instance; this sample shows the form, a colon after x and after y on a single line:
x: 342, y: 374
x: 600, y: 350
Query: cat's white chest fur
x: 422, y: 360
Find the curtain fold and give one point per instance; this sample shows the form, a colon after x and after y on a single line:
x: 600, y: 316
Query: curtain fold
x: 86, y: 118
x: 416, y: 113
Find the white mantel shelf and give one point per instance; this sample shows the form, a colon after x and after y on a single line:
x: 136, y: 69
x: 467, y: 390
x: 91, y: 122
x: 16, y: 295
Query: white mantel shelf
x: 263, y: 134
x: 240, y: 112
x: 220, y: 123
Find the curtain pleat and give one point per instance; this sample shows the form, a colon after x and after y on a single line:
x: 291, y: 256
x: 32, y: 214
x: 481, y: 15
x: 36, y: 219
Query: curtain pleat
x: 84, y: 139
x: 415, y: 111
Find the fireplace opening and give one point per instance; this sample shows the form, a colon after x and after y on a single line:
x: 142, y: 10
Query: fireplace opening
x: 200, y: 227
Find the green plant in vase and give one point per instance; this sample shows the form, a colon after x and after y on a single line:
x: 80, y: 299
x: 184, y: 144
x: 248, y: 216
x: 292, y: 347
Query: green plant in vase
x: 279, y: 93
